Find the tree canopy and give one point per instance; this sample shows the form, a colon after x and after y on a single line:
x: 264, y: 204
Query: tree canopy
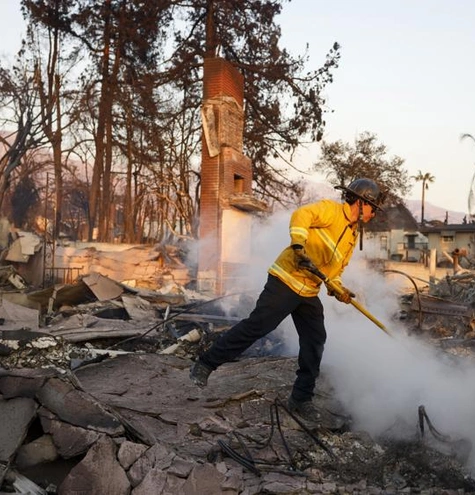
x: 118, y: 86
x: 284, y: 100
x: 344, y: 162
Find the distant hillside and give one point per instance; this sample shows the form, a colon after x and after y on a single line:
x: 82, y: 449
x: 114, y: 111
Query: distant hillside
x: 432, y: 212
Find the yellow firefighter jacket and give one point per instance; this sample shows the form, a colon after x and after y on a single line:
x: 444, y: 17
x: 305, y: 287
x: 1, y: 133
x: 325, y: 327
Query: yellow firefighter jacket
x: 328, y: 237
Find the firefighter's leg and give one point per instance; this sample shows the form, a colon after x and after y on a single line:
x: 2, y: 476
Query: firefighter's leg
x: 309, y: 321
x: 275, y: 302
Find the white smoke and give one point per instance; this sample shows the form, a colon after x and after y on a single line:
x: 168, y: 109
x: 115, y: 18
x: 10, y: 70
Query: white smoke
x: 383, y: 380
x: 380, y: 380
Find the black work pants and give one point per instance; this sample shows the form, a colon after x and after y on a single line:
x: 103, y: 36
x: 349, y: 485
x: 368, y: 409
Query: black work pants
x: 275, y: 303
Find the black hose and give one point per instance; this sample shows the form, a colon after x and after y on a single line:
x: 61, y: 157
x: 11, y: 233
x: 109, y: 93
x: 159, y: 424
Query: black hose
x: 439, y: 436
x: 319, y: 442
x: 249, y: 463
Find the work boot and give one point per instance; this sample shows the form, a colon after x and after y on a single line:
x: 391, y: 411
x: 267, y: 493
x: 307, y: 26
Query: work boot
x: 199, y: 373
x: 306, y: 410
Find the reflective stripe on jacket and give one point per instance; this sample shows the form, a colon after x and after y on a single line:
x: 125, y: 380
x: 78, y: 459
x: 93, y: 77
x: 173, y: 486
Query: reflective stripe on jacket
x: 328, y: 237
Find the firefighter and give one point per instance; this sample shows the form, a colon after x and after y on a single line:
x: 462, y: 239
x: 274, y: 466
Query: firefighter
x: 324, y: 234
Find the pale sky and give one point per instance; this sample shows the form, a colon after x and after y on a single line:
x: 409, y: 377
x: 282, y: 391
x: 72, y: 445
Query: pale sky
x: 406, y: 74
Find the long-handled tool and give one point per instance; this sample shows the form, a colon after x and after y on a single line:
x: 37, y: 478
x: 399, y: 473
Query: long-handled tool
x: 308, y: 265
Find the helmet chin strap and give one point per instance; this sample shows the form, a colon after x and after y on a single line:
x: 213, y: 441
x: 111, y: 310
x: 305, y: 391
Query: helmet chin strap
x: 360, y: 223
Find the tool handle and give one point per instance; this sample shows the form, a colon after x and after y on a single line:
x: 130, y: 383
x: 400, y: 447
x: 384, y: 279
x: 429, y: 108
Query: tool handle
x: 308, y: 265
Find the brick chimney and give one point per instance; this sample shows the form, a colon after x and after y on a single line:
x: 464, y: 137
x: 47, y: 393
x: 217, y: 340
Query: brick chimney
x: 226, y: 180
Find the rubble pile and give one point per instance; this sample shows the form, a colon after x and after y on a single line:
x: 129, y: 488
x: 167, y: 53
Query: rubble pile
x: 459, y: 287
x: 95, y: 391
x: 444, y: 313
x: 134, y: 424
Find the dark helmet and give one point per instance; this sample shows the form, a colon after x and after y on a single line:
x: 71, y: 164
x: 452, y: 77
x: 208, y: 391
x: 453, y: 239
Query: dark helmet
x: 366, y: 190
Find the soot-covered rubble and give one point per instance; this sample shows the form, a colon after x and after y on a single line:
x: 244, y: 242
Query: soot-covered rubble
x: 97, y: 400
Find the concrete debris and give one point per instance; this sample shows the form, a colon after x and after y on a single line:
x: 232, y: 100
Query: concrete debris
x: 134, y: 265
x: 102, y: 287
x: 23, y: 485
x: 25, y: 245
x: 16, y: 316
x: 18, y: 413
x: 39, y: 451
x: 192, y: 336
x: 99, y: 473
x: 10, y: 278
x: 135, y: 425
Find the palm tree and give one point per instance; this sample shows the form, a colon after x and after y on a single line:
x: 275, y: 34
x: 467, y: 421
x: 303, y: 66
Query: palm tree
x: 425, y: 179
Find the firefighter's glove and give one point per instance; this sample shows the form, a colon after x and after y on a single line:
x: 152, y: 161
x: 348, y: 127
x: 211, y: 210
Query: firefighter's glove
x: 300, y: 258
x: 344, y: 295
